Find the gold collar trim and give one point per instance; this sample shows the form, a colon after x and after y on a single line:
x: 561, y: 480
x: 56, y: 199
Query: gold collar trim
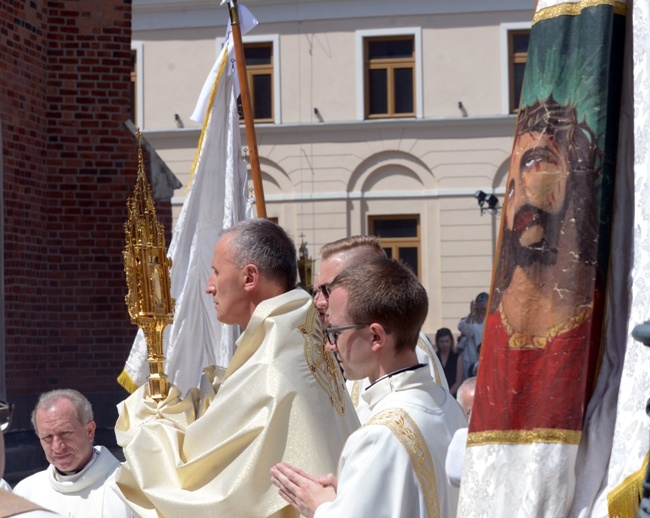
x: 521, y: 341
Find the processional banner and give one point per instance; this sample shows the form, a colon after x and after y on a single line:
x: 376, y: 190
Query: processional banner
x: 542, y: 341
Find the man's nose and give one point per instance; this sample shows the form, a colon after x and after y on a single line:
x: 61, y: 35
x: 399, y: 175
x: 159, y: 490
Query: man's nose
x: 320, y: 301
x: 210, y: 287
x: 58, y: 444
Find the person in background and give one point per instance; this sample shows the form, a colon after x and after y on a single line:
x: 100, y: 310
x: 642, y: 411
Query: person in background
x: 452, y: 362
x: 12, y: 504
x: 471, y: 329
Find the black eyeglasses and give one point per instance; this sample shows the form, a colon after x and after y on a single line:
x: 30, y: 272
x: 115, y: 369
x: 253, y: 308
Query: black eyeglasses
x: 334, y: 332
x: 324, y: 290
x: 6, y: 410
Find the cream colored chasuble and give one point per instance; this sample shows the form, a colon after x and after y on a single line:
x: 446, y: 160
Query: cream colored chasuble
x: 283, y: 398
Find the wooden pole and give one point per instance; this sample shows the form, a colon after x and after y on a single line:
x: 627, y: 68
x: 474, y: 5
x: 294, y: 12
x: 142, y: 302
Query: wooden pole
x: 248, y: 111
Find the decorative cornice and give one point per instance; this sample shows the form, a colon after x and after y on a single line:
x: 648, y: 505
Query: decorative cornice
x: 475, y: 124
x: 168, y: 14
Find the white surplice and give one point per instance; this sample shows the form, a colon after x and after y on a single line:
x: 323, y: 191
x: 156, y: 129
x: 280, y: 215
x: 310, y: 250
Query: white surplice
x: 426, y: 356
x: 80, y: 495
x: 394, y: 465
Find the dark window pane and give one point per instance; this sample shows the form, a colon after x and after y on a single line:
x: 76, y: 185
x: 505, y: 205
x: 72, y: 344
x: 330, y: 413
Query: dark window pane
x: 262, y: 108
x: 403, y: 90
x: 389, y: 252
x: 258, y: 55
x: 378, y: 91
x: 396, y: 227
x: 384, y: 49
x: 409, y: 255
x: 518, y: 82
x: 520, y: 42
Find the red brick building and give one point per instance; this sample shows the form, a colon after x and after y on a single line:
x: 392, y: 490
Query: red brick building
x: 68, y: 165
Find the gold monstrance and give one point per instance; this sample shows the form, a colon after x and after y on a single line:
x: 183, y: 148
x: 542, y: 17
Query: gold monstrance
x: 147, y: 266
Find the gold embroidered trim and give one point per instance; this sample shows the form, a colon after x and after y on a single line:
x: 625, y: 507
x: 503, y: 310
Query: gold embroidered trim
x: 520, y: 341
x: 354, y: 393
x: 538, y: 435
x: 409, y: 435
x: 422, y: 345
x: 623, y: 501
x: 322, y: 362
x: 575, y: 8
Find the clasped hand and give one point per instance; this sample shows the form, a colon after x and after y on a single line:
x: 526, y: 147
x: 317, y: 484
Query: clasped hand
x: 302, y: 490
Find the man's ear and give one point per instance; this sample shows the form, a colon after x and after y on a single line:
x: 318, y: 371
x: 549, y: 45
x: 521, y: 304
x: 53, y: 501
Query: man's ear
x: 90, y: 429
x: 379, y: 336
x: 251, y: 277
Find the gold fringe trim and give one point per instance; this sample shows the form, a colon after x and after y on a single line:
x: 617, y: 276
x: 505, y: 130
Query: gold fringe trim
x: 538, y: 435
x: 127, y: 382
x: 206, y: 119
x: 406, y: 431
x: 575, y: 8
x: 624, y: 500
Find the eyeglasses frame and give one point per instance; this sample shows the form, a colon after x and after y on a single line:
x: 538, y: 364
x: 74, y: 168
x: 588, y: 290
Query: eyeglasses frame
x: 336, y: 331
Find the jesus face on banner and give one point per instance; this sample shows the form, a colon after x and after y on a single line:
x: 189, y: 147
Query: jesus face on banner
x: 548, y: 200
x: 537, y: 196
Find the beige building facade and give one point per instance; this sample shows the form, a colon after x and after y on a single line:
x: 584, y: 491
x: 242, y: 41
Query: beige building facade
x: 373, y: 117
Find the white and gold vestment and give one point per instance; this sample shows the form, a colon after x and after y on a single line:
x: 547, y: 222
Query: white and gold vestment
x: 426, y: 356
x: 394, y: 465
x: 282, y: 398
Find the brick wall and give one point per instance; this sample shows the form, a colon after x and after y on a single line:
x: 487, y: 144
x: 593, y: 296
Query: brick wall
x: 68, y: 167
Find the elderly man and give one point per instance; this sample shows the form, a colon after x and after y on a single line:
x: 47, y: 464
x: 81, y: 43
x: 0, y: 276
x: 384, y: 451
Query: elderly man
x: 75, y: 483
x: 282, y: 396
x: 336, y: 257
x: 394, y: 465
x: 10, y: 504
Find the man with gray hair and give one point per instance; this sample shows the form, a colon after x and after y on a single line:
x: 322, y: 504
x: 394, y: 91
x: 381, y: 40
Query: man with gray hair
x: 75, y: 483
x: 282, y: 396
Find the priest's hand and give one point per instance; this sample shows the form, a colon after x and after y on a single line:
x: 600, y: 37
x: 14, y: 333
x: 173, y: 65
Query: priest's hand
x: 302, y: 490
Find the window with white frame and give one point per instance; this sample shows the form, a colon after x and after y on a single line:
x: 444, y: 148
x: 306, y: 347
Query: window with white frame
x: 517, y: 56
x: 389, y: 73
x: 389, y: 65
x: 259, y: 71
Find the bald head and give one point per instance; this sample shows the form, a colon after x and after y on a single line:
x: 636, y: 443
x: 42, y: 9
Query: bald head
x: 465, y: 395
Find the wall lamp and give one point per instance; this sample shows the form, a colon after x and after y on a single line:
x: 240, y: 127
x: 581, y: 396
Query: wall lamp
x: 490, y: 200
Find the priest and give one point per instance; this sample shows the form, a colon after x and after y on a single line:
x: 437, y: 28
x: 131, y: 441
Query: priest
x: 282, y: 396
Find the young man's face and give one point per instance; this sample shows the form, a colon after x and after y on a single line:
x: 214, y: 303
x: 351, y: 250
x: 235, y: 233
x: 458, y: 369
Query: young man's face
x: 353, y: 347
x: 329, y: 269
